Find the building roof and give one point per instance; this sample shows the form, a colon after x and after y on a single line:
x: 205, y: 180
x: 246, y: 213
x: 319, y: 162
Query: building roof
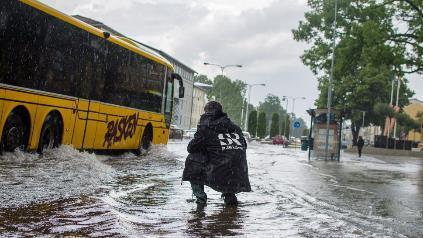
x: 203, y: 86
x: 98, y: 24
x: 141, y: 45
x: 415, y: 100
x: 169, y: 57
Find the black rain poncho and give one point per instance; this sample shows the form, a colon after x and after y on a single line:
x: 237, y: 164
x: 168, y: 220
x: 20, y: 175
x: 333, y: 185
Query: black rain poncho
x: 218, y: 155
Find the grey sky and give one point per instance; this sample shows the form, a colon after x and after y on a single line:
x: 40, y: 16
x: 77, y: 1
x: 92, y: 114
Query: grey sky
x: 254, y: 33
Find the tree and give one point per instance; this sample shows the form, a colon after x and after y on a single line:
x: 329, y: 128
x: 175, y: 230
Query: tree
x: 367, y: 58
x: 261, y: 125
x: 230, y: 94
x: 272, y: 104
x: 306, y: 132
x: 382, y: 111
x: 201, y: 78
x: 274, y: 126
x: 286, y: 123
x: 406, y: 123
x: 409, y: 13
x: 252, y: 123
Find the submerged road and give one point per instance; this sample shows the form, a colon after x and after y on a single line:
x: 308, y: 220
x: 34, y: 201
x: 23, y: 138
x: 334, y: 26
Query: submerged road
x: 66, y: 192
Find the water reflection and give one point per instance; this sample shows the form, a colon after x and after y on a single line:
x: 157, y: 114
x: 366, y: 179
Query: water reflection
x: 224, y: 221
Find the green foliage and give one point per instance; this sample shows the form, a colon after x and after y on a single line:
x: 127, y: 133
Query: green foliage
x: 369, y: 52
x: 306, y: 132
x: 406, y: 123
x: 285, y: 125
x: 274, y: 126
x: 230, y: 94
x: 252, y: 123
x: 261, y: 125
x: 409, y: 13
x: 381, y: 111
x: 271, y: 104
x: 201, y: 78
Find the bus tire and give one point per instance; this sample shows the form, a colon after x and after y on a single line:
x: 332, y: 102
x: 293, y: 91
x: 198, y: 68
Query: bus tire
x: 14, y: 132
x: 146, y: 141
x: 51, y: 133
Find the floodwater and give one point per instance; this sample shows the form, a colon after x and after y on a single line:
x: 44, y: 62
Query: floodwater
x: 71, y: 193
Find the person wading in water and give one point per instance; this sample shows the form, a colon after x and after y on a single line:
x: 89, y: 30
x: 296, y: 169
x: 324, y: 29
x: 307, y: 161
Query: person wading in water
x: 217, y: 157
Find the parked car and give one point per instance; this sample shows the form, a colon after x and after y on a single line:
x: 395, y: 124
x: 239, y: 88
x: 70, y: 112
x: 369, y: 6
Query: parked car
x: 247, y: 135
x: 280, y: 140
x: 189, y: 134
x: 344, y: 144
x: 175, y: 132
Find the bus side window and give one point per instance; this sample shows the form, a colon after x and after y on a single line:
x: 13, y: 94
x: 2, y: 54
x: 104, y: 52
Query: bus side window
x: 169, y: 97
x: 17, y: 39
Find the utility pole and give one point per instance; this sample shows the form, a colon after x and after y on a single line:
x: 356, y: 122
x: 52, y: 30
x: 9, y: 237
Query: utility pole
x: 329, y: 102
x: 250, y: 86
x: 396, y: 105
x: 222, y: 69
x: 286, y: 117
x: 389, y: 121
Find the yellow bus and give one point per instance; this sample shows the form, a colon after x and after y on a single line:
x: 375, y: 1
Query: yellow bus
x: 63, y: 81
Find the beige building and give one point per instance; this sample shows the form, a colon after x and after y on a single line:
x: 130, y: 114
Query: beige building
x: 199, y: 100
x: 412, y: 109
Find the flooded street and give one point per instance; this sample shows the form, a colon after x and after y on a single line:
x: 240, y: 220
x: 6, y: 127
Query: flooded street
x: 67, y: 192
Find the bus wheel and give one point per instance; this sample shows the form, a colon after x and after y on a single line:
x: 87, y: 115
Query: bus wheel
x: 51, y: 133
x: 146, y: 140
x: 13, y: 133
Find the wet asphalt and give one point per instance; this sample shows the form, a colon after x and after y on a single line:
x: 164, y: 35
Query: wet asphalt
x: 70, y: 193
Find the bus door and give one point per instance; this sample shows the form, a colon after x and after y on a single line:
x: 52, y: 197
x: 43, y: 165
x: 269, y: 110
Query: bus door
x: 91, y: 124
x: 86, y: 121
x: 81, y: 117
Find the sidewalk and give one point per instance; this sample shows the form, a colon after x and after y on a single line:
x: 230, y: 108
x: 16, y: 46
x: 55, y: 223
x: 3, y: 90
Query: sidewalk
x: 386, y: 152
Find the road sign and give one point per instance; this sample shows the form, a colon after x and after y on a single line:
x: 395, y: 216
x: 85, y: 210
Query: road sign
x: 297, y: 124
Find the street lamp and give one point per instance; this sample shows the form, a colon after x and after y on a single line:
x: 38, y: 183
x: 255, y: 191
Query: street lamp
x: 249, y: 94
x: 285, y: 98
x: 223, y: 67
x: 293, y: 106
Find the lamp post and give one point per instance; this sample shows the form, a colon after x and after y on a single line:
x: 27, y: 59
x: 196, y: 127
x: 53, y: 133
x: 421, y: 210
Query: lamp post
x: 396, y: 105
x: 222, y: 68
x: 248, y: 103
x: 285, y: 98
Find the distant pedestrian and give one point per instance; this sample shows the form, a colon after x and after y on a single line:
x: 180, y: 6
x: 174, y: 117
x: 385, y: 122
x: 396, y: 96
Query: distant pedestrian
x: 217, y: 157
x: 360, y: 144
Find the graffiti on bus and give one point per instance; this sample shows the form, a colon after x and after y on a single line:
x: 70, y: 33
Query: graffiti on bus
x: 122, y: 128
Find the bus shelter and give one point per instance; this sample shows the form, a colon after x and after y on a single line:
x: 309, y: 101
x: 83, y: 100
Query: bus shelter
x: 318, y: 132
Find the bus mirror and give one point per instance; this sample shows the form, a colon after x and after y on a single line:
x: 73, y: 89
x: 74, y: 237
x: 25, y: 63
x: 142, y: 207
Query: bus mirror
x: 181, y: 84
x: 106, y: 34
x: 181, y: 92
